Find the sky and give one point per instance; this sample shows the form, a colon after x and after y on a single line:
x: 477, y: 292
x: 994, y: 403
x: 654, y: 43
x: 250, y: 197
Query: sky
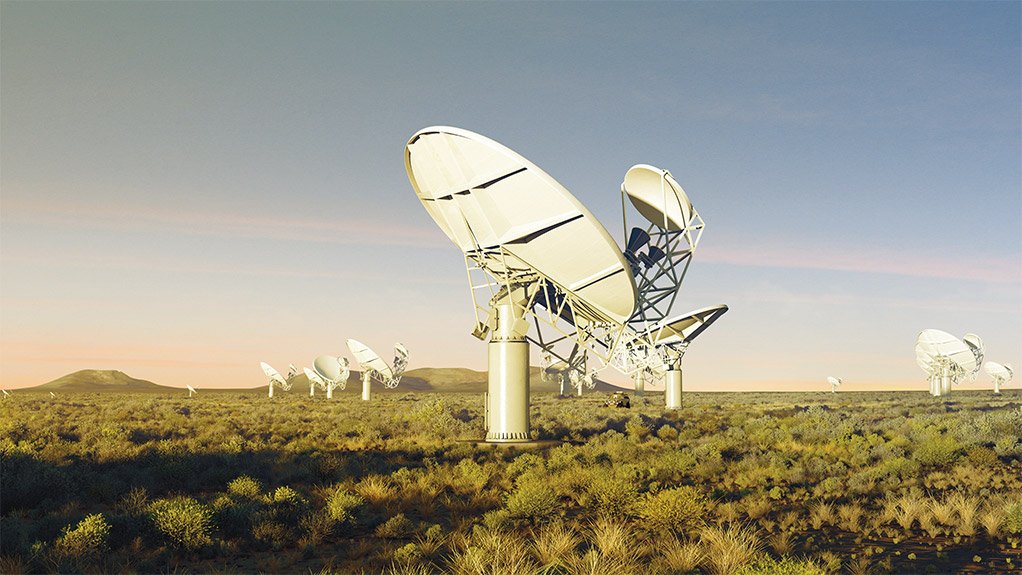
x: 190, y: 188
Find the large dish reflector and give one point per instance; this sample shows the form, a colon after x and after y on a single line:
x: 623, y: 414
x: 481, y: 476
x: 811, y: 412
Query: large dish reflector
x: 658, y: 197
x: 272, y: 373
x: 369, y: 359
x: 314, y: 377
x: 686, y: 327
x: 328, y: 367
x: 833, y: 380
x: 484, y: 195
x: 997, y: 371
x: 933, y: 343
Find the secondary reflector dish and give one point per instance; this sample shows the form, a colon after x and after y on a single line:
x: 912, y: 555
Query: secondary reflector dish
x: 658, y: 197
x: 486, y: 196
x: 686, y: 327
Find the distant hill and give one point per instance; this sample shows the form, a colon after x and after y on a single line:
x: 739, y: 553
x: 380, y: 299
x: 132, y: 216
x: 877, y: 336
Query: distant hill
x: 99, y: 380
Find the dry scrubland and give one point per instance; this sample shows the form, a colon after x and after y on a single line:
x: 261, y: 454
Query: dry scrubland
x: 732, y: 484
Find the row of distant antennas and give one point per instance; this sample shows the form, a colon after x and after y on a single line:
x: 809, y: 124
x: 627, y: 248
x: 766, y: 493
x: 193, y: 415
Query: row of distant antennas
x: 330, y: 372
x: 948, y: 361
x: 569, y: 374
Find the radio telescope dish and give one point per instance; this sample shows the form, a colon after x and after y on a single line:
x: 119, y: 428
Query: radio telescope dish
x: 834, y: 382
x: 191, y: 390
x: 333, y: 371
x: 373, y: 367
x: 945, y: 358
x: 539, y: 257
x: 658, y: 197
x: 485, y: 196
x: 6, y: 393
x: 1001, y: 374
x: 53, y: 395
x: 314, y: 378
x: 276, y: 378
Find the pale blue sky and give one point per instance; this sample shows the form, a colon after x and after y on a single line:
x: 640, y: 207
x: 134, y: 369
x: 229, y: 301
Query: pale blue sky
x: 190, y: 188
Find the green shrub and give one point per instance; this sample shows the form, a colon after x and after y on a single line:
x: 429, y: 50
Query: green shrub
x: 533, y: 499
x: 246, y: 487
x: 613, y: 497
x: 86, y: 540
x: 342, y: 505
x: 939, y: 451
x: 288, y: 497
x: 1013, y: 518
x: 763, y: 564
x: 183, y: 520
x: 672, y: 509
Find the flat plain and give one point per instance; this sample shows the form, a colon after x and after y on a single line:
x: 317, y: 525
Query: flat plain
x: 794, y: 483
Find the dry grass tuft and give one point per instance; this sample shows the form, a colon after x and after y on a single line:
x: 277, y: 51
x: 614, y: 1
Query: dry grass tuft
x: 681, y: 556
x: 555, y: 544
x: 729, y: 548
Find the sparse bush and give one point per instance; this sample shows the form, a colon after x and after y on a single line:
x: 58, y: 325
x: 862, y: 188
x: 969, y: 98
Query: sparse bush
x: 937, y: 451
x: 613, y: 497
x: 183, y: 520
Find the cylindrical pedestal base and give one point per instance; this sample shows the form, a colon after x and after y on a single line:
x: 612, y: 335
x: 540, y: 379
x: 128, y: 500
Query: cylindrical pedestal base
x: 365, y: 388
x: 672, y: 388
x: 997, y: 387
x: 640, y: 384
x: 508, y: 395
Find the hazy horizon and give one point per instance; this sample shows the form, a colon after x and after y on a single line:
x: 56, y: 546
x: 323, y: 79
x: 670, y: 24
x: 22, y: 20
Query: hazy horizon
x: 187, y: 189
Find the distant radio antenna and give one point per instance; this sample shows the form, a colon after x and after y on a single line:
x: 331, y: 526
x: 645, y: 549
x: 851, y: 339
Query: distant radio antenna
x: 374, y: 368
x: 334, y: 372
x: 6, y: 394
x: 314, y: 379
x: 191, y: 390
x: 1001, y: 374
x: 976, y: 347
x: 276, y: 378
x: 834, y: 382
x: 945, y: 359
x: 53, y: 395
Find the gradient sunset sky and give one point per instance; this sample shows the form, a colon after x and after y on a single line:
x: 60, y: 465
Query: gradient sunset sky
x: 190, y: 188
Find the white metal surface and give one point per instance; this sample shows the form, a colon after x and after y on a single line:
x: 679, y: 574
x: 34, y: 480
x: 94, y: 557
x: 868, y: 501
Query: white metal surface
x: 486, y: 196
x: 658, y: 197
x: 369, y: 359
x: 685, y: 328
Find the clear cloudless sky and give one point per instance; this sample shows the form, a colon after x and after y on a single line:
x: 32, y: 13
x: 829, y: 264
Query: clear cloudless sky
x: 189, y: 188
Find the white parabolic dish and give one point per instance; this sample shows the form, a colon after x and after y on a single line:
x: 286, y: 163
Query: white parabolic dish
x: 272, y: 373
x: 328, y: 367
x: 313, y: 377
x: 484, y: 196
x: 686, y: 327
x: 933, y: 343
x: 833, y: 381
x: 369, y: 359
x: 655, y: 194
x: 997, y: 370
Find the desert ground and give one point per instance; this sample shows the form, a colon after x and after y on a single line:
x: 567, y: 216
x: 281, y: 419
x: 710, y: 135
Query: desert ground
x: 794, y: 483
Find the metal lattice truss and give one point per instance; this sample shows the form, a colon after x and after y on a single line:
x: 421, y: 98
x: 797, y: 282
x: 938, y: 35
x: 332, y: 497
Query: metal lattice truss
x: 567, y: 327
x: 942, y: 368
